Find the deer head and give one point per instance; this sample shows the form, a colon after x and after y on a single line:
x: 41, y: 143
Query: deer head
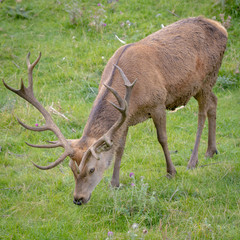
x: 88, y: 166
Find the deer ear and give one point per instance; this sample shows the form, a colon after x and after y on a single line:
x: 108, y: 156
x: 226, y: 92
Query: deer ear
x: 104, y: 147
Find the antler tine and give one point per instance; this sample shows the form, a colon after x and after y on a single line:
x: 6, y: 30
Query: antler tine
x: 128, y: 84
x: 122, y: 102
x: 10, y: 88
x: 30, y: 68
x: 37, y: 129
x: 119, y: 99
x: 45, y: 145
x: 53, y: 164
x: 27, y: 94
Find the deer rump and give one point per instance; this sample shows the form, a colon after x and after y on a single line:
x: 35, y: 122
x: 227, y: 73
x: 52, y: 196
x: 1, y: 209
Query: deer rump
x: 162, y: 71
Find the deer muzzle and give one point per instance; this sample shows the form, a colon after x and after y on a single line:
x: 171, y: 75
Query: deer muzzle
x: 81, y: 200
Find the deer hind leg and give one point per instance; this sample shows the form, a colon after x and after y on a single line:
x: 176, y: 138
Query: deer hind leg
x: 159, y: 119
x: 202, y: 99
x: 211, y: 114
x: 118, y: 158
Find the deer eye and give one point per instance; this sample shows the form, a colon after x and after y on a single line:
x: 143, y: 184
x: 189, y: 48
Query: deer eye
x: 92, y: 170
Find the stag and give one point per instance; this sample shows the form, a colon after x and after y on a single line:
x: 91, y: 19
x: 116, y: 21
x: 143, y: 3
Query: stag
x: 140, y: 81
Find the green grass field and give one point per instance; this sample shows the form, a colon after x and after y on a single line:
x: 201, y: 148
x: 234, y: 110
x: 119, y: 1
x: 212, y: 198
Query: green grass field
x: 76, y: 39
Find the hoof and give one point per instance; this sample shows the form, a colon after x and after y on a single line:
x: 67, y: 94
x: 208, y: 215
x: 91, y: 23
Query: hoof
x: 192, y: 163
x: 115, y: 184
x: 171, y: 174
x: 191, y: 166
x: 210, y: 153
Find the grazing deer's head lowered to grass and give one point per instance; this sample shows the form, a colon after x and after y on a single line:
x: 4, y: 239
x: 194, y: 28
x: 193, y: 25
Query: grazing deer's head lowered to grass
x: 140, y: 81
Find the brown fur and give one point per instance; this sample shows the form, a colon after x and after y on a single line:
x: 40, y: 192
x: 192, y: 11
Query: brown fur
x: 171, y: 65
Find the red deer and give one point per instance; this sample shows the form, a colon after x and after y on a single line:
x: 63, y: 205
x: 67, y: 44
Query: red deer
x: 162, y: 71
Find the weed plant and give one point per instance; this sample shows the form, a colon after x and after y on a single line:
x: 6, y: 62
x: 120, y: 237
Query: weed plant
x: 76, y: 39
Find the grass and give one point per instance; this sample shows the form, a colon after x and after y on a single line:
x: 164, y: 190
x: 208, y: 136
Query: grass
x: 76, y: 39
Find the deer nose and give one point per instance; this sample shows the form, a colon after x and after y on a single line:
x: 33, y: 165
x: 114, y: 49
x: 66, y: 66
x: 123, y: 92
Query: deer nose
x: 78, y: 201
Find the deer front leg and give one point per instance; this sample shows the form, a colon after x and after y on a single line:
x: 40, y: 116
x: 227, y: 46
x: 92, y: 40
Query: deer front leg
x: 118, y: 158
x: 159, y: 119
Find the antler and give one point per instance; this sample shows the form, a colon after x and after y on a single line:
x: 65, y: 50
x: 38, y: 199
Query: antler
x: 27, y: 94
x: 106, y: 139
x: 123, y: 103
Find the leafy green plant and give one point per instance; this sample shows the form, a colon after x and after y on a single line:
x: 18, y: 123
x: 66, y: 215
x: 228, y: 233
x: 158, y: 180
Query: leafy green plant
x: 91, y: 16
x: 225, y: 82
x: 76, y: 12
x: 18, y: 11
x: 135, y: 200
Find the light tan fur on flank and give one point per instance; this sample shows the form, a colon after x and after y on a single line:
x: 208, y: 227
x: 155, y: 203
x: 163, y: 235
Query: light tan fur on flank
x: 171, y: 65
